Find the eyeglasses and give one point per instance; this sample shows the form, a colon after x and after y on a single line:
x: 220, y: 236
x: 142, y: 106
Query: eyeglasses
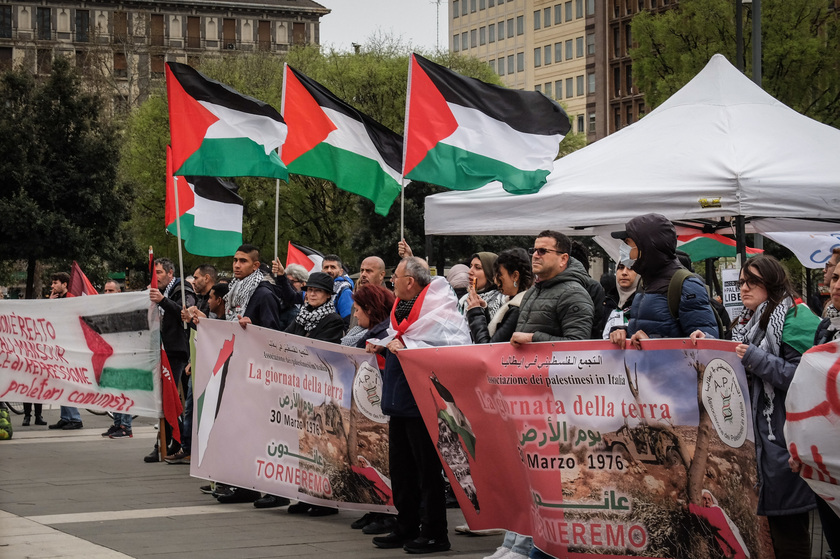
x: 543, y: 251
x: 750, y: 283
x: 394, y: 276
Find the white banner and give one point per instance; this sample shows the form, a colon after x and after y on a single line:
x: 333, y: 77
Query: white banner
x: 289, y: 416
x: 812, y: 249
x: 731, y: 292
x: 96, y: 352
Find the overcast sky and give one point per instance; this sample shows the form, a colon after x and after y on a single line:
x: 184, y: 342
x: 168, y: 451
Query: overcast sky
x: 354, y: 21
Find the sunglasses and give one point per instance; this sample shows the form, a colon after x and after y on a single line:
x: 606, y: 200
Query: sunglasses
x: 752, y: 284
x: 543, y: 251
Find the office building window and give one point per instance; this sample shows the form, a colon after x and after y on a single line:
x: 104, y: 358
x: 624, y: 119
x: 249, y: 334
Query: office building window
x: 578, y: 9
x: 591, y: 79
x: 158, y: 66
x: 628, y: 78
x: 193, y: 32
x: 482, y: 4
x: 590, y: 7
x: 491, y: 3
x: 628, y: 118
x: 547, y: 54
x: 156, y: 36
x: 628, y: 37
x: 654, y: 4
x: 6, y: 22
x: 616, y: 42
x: 592, y: 123
x: 120, y: 26
x: 510, y: 67
x: 120, y: 66
x: 569, y: 11
x: 465, y: 8
x: 456, y: 42
x: 590, y: 44
x: 537, y: 57
x: 510, y: 28
x: 520, y: 62
x: 570, y: 84
x: 538, y: 88
x: 641, y: 110
x: 641, y: 5
x: 547, y: 17
x: 580, y: 123
x: 537, y: 16
x: 464, y: 44
x: 569, y: 50
x: 473, y: 38
x: 558, y: 89
x: 617, y: 118
x: 558, y: 14
x: 520, y: 25
x: 617, y: 81
x: 548, y: 89
x: 43, y: 24
x: 501, y: 70
x: 558, y: 52
x: 500, y: 30
x: 82, y: 26
x: 579, y: 81
x: 482, y: 35
x: 579, y: 47
x: 44, y: 61
x: 491, y: 33
x: 492, y: 65
x: 455, y: 6
x: 473, y: 6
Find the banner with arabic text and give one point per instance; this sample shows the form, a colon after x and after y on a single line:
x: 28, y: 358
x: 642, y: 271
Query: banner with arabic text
x: 595, y: 450
x: 289, y: 416
x: 100, y: 352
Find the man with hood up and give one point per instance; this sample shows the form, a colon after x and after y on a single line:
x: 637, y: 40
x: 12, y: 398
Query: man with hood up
x: 649, y: 247
x: 557, y: 307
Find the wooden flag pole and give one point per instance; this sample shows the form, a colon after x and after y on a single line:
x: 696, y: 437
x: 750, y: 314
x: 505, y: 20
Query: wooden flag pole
x: 402, y: 208
x: 180, y: 250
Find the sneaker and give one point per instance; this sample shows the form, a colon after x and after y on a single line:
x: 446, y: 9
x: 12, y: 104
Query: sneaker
x: 500, y: 552
x: 299, y: 508
x: 363, y: 521
x: 271, y: 501
x: 393, y: 540
x: 427, y: 545
x: 59, y: 424
x: 111, y: 430
x: 179, y: 457
x: 221, y: 489
x: 153, y: 456
x: 26, y: 420
x: 39, y: 420
x: 386, y: 523
x: 71, y: 425
x: 206, y: 489
x: 239, y: 495
x: 121, y: 433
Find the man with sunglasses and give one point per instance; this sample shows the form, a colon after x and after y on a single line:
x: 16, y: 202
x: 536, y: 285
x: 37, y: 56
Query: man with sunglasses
x: 557, y: 307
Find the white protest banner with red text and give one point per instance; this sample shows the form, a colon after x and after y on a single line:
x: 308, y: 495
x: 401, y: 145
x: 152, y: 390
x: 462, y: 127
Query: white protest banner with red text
x: 595, y: 450
x: 97, y: 352
x: 289, y: 416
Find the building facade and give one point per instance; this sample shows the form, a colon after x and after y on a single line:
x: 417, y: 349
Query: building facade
x: 123, y: 46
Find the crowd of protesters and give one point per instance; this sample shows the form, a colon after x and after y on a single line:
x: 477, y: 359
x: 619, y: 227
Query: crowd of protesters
x: 521, y: 296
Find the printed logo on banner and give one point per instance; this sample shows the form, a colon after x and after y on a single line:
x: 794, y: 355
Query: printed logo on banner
x: 724, y: 401
x: 367, y: 392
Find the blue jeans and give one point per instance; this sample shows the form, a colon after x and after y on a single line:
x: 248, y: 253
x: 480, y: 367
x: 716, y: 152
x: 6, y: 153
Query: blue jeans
x: 71, y: 414
x: 122, y: 420
x: 518, y: 543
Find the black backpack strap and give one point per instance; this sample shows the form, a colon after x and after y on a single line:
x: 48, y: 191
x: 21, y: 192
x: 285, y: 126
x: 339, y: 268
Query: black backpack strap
x: 675, y: 291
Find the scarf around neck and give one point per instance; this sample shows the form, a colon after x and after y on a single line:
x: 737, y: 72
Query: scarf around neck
x: 166, y: 292
x: 309, y: 317
x: 239, y: 294
x: 748, y: 331
x: 625, y: 294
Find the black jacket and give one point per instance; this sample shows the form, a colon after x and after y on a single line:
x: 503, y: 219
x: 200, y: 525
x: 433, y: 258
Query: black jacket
x: 174, y: 336
x: 330, y: 329
x: 477, y: 319
x: 264, y: 307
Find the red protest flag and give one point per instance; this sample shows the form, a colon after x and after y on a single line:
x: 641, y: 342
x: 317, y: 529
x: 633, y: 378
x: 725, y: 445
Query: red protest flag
x: 153, y: 281
x: 172, y: 407
x: 79, y: 283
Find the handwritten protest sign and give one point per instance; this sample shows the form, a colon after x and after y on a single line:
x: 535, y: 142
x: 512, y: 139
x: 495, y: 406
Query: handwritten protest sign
x: 98, y: 352
x: 290, y: 416
x: 594, y: 450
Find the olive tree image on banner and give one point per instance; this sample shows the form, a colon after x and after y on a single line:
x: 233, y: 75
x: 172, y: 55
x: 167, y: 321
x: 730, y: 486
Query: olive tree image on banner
x: 595, y: 450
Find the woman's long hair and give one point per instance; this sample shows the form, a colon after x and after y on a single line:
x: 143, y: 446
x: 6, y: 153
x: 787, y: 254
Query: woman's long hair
x: 375, y: 301
x: 773, y: 276
x: 515, y: 260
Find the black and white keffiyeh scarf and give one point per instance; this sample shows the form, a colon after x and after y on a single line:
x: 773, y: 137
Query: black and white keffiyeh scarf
x: 166, y: 293
x: 239, y: 294
x: 833, y: 315
x: 747, y: 331
x: 309, y: 317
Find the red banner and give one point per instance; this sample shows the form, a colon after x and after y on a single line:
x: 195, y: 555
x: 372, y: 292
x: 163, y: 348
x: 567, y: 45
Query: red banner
x: 593, y: 450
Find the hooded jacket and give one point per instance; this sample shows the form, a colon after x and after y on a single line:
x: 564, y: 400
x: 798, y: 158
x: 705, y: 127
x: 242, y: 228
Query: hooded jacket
x: 657, y: 241
x: 559, y: 308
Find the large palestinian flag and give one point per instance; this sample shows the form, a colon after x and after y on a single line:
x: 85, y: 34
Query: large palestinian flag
x: 218, y: 132
x: 309, y: 258
x: 210, y: 210
x: 462, y: 133
x: 331, y: 140
x: 210, y: 401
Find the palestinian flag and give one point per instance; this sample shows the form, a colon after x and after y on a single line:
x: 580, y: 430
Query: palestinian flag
x: 462, y: 133
x: 701, y: 246
x: 121, y: 370
x: 79, y: 283
x: 218, y: 132
x: 210, y: 213
x: 452, y: 415
x: 331, y: 140
x: 210, y: 401
x: 307, y: 257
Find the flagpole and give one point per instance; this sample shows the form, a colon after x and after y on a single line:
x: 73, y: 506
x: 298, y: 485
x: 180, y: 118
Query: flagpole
x: 402, y: 208
x: 276, y: 216
x: 180, y: 250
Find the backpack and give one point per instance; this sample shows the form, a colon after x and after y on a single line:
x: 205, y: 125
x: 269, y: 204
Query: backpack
x: 675, y: 292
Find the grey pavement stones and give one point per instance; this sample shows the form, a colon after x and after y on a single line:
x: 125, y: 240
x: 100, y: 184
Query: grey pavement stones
x: 77, y: 494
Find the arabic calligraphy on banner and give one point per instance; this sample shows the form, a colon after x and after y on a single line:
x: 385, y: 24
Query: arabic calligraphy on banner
x: 593, y: 450
x: 289, y: 416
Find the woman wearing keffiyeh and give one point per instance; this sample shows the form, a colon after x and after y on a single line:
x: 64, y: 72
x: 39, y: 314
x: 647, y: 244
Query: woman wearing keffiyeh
x: 774, y: 331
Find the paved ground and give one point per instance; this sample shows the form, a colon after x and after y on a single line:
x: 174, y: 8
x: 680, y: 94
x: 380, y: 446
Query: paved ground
x: 75, y: 494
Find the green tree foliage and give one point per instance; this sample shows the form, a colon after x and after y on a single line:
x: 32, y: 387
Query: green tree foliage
x: 61, y: 198
x: 800, y: 50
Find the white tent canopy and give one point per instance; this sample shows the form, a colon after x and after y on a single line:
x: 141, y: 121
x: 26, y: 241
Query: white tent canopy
x: 719, y: 147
